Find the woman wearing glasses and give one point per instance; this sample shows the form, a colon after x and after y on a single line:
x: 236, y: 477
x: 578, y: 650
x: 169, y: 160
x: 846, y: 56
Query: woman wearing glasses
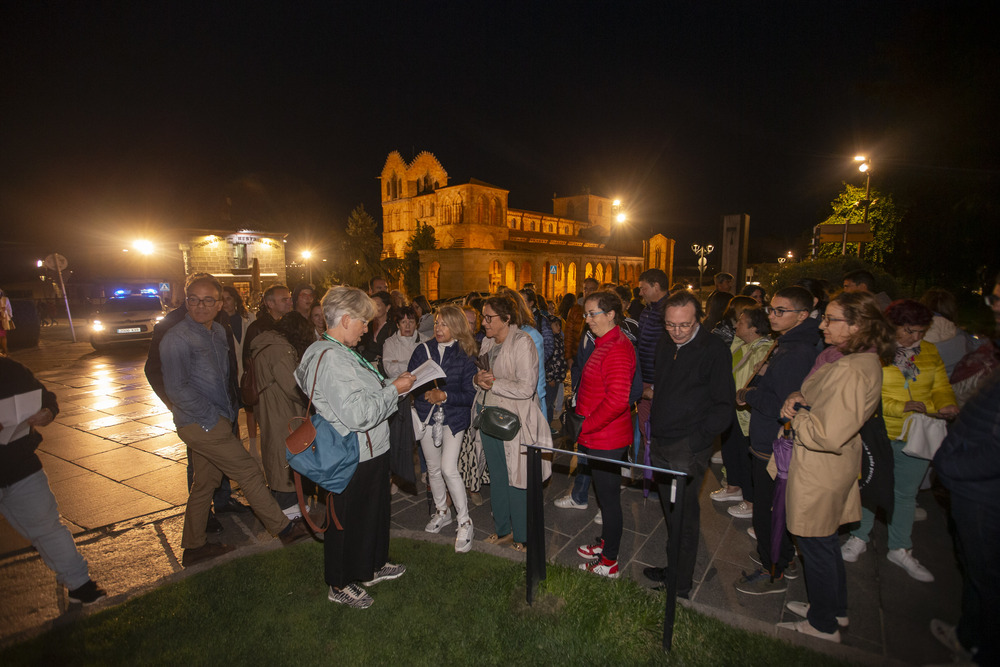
x: 838, y: 396
x: 352, y: 395
x: 602, y: 399
x: 915, y: 381
x: 511, y: 383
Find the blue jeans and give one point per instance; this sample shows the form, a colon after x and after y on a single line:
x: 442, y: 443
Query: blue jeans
x: 581, y: 483
x: 31, y: 508
x: 977, y: 541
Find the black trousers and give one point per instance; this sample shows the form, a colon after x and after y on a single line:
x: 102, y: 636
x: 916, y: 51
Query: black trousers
x: 607, y: 485
x: 763, y: 494
x: 736, y: 458
x: 678, y: 455
x: 826, y: 581
x: 362, y: 548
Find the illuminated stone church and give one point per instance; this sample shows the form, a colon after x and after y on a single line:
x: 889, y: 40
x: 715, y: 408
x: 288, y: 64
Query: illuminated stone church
x: 482, y: 243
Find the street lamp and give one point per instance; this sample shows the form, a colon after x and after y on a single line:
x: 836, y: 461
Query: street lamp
x: 701, y: 251
x: 307, y: 255
x: 143, y: 246
x: 865, y: 167
x: 619, y: 217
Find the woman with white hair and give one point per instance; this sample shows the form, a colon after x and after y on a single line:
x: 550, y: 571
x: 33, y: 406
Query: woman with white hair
x: 352, y: 395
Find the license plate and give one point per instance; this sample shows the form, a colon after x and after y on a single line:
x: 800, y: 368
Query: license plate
x: 130, y: 330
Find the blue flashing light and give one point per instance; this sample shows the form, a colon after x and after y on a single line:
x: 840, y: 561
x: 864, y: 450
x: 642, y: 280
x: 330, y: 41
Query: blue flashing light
x: 148, y: 290
x: 121, y: 292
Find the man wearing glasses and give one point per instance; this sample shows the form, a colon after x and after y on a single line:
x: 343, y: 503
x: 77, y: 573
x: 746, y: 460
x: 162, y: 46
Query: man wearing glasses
x: 692, y: 404
x: 196, y: 375
x: 783, y: 371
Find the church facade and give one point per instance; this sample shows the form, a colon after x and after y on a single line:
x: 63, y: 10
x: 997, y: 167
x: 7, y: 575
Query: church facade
x: 483, y: 244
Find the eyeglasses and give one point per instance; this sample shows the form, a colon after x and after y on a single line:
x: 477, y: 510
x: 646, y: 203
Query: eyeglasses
x: 194, y: 302
x: 680, y: 327
x: 828, y: 319
x: 770, y: 310
x: 594, y: 313
x: 489, y: 318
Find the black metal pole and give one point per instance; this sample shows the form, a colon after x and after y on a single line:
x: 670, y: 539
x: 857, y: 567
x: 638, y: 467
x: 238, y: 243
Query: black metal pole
x: 535, y: 561
x: 675, y: 524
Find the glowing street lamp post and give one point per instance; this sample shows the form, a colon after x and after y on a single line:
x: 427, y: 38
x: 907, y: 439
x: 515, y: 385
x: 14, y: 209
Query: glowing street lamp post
x: 701, y: 251
x: 307, y: 255
x: 865, y: 168
x: 619, y: 217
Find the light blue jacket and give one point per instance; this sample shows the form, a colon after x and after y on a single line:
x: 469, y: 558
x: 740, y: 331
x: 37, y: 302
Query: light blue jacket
x: 349, y: 395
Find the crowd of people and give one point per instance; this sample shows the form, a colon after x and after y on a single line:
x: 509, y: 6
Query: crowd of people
x: 792, y: 387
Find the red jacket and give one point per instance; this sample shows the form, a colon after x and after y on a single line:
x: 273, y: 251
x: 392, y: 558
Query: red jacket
x: 603, y: 395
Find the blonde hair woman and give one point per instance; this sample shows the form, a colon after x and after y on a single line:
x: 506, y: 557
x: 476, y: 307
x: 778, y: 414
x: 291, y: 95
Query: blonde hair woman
x: 453, y: 349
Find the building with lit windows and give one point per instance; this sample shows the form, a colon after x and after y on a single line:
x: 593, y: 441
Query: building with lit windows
x: 482, y: 243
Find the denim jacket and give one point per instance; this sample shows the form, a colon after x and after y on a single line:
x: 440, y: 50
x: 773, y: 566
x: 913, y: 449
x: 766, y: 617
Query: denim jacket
x: 195, y: 371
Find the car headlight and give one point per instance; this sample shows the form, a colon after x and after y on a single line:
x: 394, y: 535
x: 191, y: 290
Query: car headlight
x: 97, y: 326
x: 158, y: 318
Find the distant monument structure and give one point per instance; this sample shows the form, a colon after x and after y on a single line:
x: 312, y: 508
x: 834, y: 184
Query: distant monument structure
x: 735, y: 238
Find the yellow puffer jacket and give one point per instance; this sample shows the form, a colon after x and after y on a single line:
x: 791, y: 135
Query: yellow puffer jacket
x: 930, y: 388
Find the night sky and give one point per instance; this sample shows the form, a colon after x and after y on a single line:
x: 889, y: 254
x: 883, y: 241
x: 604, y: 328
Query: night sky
x: 119, y: 119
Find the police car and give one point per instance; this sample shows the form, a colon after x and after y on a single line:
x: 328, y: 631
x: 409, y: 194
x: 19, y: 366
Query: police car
x: 126, y: 317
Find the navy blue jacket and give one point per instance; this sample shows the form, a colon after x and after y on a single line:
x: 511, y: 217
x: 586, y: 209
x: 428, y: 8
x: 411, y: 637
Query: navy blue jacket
x: 651, y: 329
x: 459, y: 369
x: 793, y: 357
x: 968, y: 461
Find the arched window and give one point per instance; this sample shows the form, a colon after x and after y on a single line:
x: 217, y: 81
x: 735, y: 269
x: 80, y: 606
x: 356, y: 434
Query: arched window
x: 599, y: 273
x: 588, y: 270
x: 511, y: 275
x: 480, y: 210
x: 548, y: 227
x: 525, y: 273
x: 571, y: 279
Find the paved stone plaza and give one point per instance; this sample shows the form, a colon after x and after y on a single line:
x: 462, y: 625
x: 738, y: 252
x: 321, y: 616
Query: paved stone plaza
x: 118, y: 471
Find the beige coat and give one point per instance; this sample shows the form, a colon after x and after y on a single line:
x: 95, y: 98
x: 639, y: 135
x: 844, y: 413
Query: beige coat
x: 516, y: 373
x: 822, y: 491
x: 280, y: 400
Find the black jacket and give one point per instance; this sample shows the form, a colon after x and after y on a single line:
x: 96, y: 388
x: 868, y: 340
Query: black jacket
x: 968, y: 461
x: 18, y: 458
x: 693, y: 391
x: 786, y: 368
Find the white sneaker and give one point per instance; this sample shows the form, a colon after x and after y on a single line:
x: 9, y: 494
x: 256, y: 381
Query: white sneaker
x: 438, y: 521
x: 904, y: 558
x: 741, y: 510
x: 463, y: 539
x: 567, y: 502
x: 806, y: 628
x: 717, y: 458
x: 599, y: 518
x: 723, y: 496
x: 852, y: 548
x: 802, y: 609
x: 945, y: 633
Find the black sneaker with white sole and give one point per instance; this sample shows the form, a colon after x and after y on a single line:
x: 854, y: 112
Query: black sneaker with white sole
x: 89, y: 593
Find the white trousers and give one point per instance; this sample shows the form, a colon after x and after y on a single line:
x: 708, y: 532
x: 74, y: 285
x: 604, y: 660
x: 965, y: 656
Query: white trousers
x: 442, y: 471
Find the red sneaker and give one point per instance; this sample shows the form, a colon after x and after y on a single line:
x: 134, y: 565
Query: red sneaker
x: 603, y: 567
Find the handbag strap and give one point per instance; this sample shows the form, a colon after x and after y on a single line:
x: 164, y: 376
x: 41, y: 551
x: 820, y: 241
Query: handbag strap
x: 762, y: 362
x: 330, y: 511
x: 315, y: 375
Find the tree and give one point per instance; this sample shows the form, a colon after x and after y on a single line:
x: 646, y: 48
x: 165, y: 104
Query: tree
x: 883, y: 216
x: 362, y: 249
x: 422, y: 239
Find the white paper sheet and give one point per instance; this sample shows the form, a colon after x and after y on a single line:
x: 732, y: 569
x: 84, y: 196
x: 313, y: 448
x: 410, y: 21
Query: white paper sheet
x: 14, y: 413
x: 426, y: 372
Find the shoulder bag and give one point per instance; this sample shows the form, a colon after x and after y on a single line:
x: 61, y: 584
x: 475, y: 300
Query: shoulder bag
x: 316, y: 450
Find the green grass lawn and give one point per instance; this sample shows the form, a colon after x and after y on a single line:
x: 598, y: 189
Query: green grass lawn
x: 452, y: 609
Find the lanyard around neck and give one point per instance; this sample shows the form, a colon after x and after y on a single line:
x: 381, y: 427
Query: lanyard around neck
x: 364, y: 362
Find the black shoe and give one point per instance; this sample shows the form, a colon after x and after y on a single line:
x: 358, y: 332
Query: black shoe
x: 89, y: 593
x: 214, y: 525
x: 655, y: 573
x: 207, y: 552
x: 295, y: 531
x: 233, y: 506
